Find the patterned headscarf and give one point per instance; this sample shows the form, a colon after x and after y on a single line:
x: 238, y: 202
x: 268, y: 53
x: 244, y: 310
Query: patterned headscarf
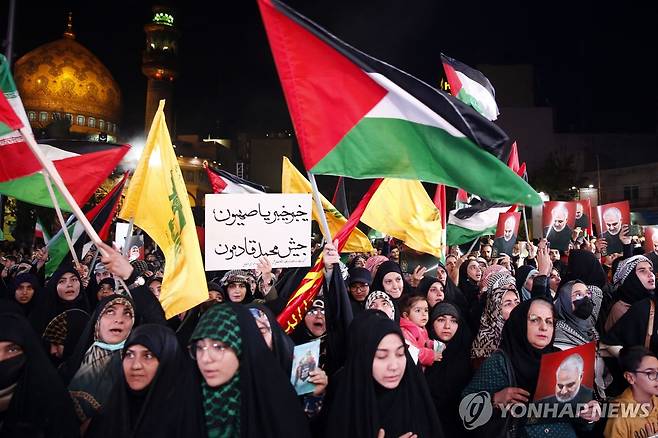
x: 377, y: 294
x: 493, y: 269
x: 492, y: 322
x: 627, y: 266
x: 221, y: 405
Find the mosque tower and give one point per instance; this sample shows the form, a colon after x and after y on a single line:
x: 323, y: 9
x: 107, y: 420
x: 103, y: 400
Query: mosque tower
x: 160, y: 64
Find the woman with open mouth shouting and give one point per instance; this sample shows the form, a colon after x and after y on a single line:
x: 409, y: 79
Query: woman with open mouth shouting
x: 95, y: 365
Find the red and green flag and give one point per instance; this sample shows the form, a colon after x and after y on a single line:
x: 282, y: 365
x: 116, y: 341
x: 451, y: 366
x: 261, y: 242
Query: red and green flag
x: 21, y: 174
x: 359, y: 117
x: 471, y: 87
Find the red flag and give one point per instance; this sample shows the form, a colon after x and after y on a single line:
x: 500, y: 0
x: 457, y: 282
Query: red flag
x: 298, y: 303
x: 462, y: 196
x: 440, y: 202
x: 513, y: 160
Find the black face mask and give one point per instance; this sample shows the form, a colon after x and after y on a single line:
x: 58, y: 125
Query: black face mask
x: 583, y: 308
x: 10, y: 370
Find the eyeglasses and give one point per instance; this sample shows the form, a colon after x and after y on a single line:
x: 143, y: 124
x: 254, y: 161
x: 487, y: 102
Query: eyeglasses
x: 316, y: 312
x: 651, y: 375
x: 215, y: 350
x: 359, y: 286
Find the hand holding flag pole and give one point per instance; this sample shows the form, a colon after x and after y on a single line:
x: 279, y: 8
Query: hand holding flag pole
x: 57, y: 179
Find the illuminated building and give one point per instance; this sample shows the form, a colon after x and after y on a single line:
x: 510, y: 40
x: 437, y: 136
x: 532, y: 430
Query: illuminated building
x: 62, y: 84
x: 160, y: 64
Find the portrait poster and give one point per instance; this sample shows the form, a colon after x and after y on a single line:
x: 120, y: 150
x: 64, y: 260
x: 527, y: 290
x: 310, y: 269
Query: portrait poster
x: 651, y: 239
x: 243, y: 228
x: 507, y: 231
x: 567, y: 376
x: 306, y: 358
x: 558, y: 221
x: 583, y: 216
x: 610, y: 218
x: 135, y: 247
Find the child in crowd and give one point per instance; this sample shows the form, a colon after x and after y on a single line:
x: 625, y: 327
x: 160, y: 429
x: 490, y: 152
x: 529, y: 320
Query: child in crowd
x: 640, y: 367
x: 414, y: 316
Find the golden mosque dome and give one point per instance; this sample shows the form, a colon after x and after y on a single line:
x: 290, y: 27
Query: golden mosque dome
x: 63, y: 79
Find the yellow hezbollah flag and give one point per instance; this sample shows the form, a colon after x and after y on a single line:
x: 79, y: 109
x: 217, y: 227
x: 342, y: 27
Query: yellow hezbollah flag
x: 401, y: 208
x: 157, y: 200
x: 294, y: 182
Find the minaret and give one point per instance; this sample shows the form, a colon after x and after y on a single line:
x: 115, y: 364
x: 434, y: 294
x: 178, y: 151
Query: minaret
x: 160, y: 64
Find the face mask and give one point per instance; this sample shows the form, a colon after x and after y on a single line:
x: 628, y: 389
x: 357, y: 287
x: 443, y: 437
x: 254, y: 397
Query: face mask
x: 10, y: 370
x: 583, y: 308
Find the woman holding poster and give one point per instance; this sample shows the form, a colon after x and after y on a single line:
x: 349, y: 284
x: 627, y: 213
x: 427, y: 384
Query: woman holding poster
x: 511, y: 374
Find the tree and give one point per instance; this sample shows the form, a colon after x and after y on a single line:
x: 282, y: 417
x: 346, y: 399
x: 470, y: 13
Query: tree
x: 557, y: 176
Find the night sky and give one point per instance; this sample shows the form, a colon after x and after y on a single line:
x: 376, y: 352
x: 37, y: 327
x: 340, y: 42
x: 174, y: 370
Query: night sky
x: 595, y: 64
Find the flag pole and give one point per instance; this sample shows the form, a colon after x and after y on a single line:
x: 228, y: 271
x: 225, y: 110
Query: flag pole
x: 57, y: 179
x: 472, y: 246
x: 65, y: 229
x: 129, y: 233
x: 318, y: 205
x: 525, y: 223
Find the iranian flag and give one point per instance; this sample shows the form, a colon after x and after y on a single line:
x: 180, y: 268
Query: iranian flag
x: 21, y: 174
x: 359, y: 117
x: 471, y: 87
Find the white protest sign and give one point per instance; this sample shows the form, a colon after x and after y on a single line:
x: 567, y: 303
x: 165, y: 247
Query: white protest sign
x: 121, y: 231
x: 241, y: 228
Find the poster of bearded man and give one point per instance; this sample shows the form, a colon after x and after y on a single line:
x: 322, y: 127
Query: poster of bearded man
x: 558, y: 221
x: 611, y: 220
x: 506, y: 232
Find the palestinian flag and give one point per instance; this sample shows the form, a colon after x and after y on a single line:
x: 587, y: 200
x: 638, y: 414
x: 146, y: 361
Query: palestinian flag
x: 222, y: 181
x: 478, y: 218
x: 22, y: 177
x: 471, y: 87
x: 359, y: 117
x: 100, y: 217
x: 21, y: 174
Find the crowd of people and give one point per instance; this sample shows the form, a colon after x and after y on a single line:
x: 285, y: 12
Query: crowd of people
x: 88, y: 350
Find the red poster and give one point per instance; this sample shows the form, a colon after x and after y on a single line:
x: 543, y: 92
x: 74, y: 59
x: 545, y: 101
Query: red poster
x: 651, y: 239
x: 584, y: 216
x: 558, y: 220
x: 610, y: 219
x: 506, y: 232
x: 567, y: 376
